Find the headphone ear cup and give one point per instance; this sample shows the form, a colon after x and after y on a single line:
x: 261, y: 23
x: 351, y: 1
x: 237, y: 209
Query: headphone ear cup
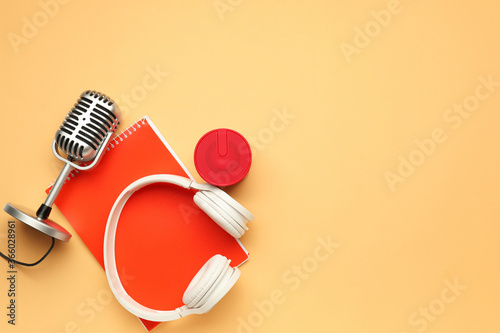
x: 218, y: 210
x: 211, y: 283
x: 217, y: 196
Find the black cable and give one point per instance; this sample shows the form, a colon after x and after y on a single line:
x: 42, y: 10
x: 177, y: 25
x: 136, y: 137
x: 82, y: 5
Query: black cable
x: 32, y: 264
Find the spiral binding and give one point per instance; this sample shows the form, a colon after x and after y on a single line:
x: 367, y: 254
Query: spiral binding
x: 115, y: 141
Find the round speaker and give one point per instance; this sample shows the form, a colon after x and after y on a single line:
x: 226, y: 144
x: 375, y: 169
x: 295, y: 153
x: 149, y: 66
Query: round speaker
x: 222, y: 157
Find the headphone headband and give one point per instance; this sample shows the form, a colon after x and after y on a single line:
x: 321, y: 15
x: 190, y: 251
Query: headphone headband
x: 110, y: 257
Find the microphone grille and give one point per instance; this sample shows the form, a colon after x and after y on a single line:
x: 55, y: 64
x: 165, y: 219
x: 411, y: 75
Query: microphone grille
x: 83, y: 130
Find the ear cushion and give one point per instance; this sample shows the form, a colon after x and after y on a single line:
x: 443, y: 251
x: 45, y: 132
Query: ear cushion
x: 227, y: 198
x: 217, y: 213
x: 228, y: 208
x: 204, y: 280
x: 229, y: 205
x: 220, y: 289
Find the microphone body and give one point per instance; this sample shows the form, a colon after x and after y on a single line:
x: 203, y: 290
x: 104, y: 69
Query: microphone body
x: 82, y: 137
x: 85, y: 130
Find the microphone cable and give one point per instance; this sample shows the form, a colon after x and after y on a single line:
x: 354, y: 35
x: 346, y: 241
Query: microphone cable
x: 30, y: 264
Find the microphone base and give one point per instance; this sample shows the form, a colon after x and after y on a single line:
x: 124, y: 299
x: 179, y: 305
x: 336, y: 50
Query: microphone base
x: 46, y: 226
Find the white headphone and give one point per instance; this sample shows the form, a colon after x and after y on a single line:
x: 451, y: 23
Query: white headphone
x: 213, y: 280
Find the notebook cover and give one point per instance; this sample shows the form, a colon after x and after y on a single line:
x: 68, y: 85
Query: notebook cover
x: 163, y: 238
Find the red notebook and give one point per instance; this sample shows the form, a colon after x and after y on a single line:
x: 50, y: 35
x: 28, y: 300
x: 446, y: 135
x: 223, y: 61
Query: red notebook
x: 163, y: 238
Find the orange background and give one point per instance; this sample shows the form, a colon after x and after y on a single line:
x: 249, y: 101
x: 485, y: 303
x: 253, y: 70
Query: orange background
x: 386, y: 145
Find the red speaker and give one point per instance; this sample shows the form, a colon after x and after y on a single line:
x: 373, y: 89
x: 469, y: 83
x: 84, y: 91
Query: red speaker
x: 222, y: 157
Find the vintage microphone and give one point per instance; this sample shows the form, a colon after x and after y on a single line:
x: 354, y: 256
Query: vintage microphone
x: 82, y: 137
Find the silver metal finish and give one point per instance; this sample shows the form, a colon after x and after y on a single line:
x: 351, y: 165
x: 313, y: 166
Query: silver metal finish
x: 54, y: 191
x: 46, y: 226
x: 83, y: 167
x: 83, y: 137
x: 84, y: 130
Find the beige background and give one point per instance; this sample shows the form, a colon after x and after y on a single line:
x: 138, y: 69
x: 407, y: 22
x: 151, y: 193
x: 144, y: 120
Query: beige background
x: 365, y: 86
